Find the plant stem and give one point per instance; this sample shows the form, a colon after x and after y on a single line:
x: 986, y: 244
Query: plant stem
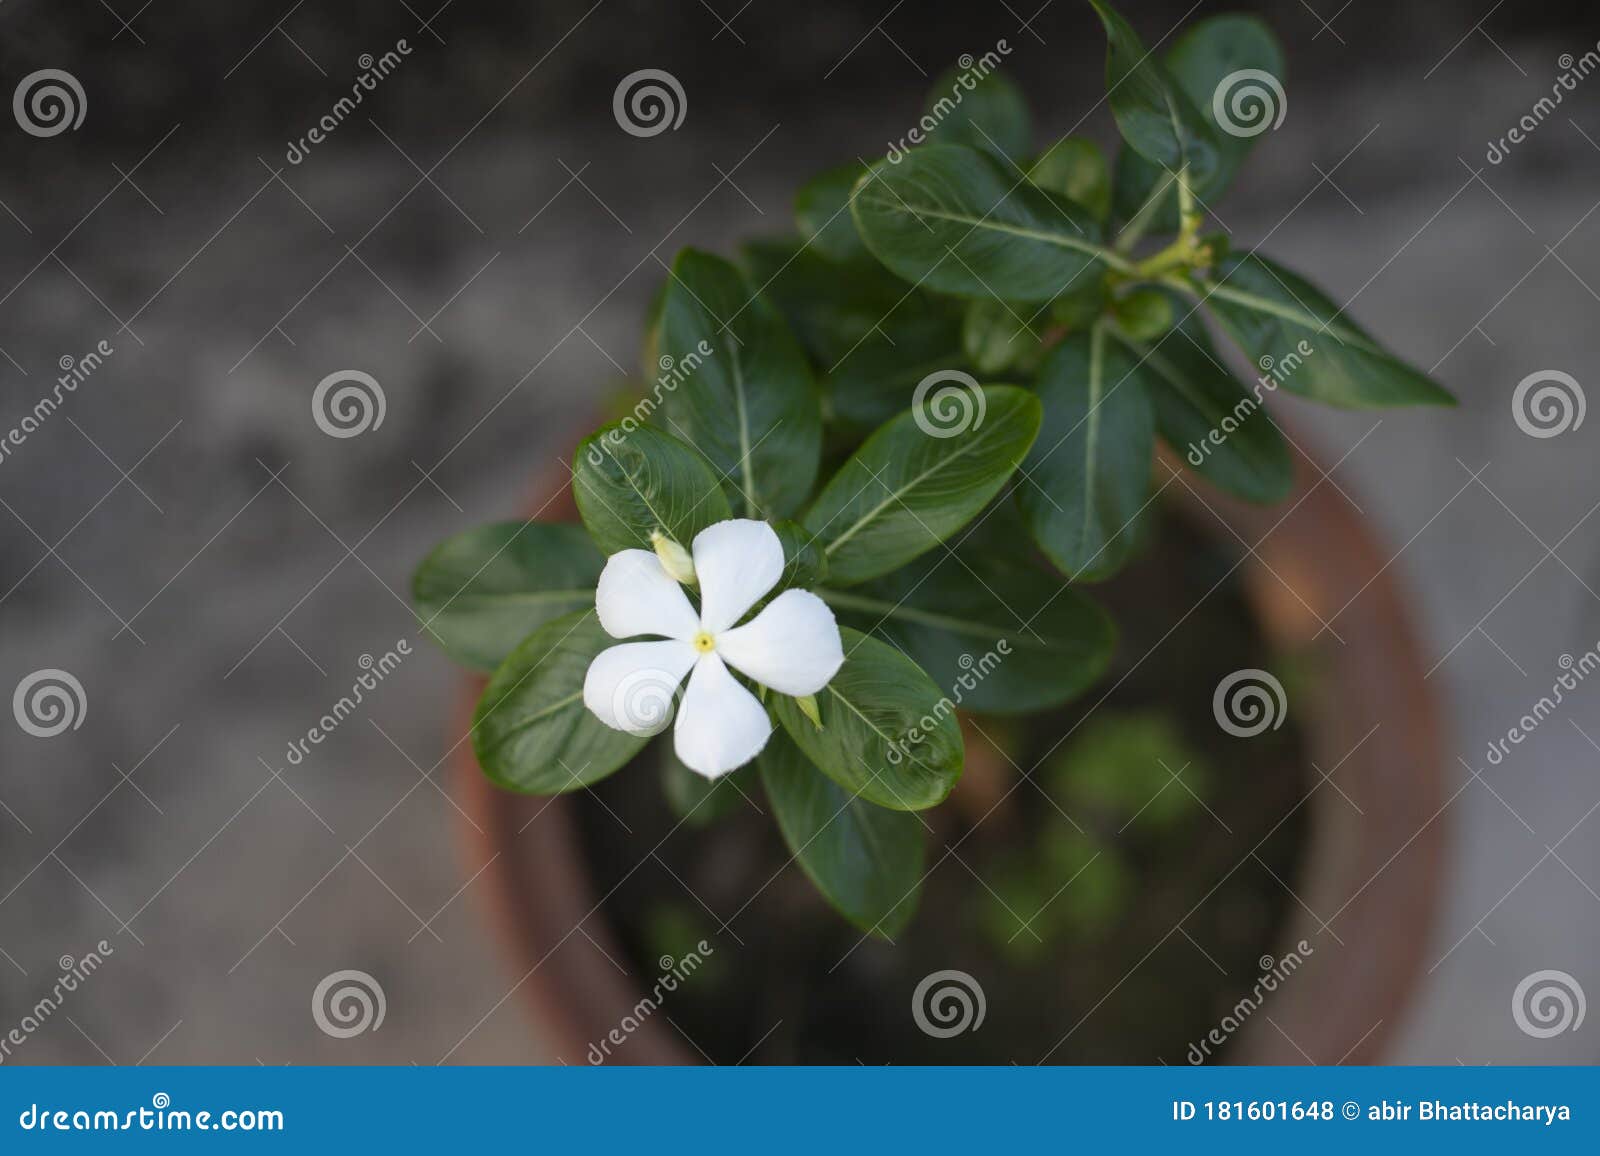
x: 1189, y: 216
x: 1184, y: 253
x: 1139, y: 223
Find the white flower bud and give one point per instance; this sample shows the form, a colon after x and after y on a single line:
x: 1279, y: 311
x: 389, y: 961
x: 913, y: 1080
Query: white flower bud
x: 675, y: 560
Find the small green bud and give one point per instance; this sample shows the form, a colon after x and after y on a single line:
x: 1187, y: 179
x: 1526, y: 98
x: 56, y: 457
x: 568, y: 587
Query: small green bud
x: 675, y: 560
x: 808, y: 707
x: 1144, y: 314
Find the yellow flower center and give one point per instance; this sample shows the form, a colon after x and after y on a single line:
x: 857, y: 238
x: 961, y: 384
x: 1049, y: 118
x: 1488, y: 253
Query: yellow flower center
x: 704, y: 643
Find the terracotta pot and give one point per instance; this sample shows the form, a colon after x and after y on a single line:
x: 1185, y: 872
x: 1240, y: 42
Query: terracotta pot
x: 1366, y: 899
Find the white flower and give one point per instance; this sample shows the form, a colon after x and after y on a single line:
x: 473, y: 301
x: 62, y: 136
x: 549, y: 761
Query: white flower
x: 792, y: 646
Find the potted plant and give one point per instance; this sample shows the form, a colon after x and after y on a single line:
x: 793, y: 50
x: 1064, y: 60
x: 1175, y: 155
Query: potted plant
x: 827, y: 582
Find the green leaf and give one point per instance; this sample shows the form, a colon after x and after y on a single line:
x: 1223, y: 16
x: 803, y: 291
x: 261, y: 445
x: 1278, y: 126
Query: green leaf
x: 1153, y: 114
x: 1203, y: 57
x: 747, y: 401
x: 1200, y: 59
x: 953, y: 220
x: 867, y: 861
x: 822, y: 210
x: 996, y: 335
x: 998, y: 636
x: 908, y: 489
x: 482, y: 592
x: 1075, y: 168
x: 804, y: 564
x: 832, y: 306
x: 1209, y: 417
x: 630, y: 482
x: 876, y: 380
x: 1088, y: 476
x: 531, y: 731
x: 697, y: 800
x: 987, y: 112
x: 1294, y: 332
x: 888, y: 734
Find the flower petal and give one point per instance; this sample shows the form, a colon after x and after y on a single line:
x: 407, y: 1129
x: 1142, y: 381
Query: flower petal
x: 738, y: 561
x: 631, y: 687
x: 793, y: 645
x: 721, y: 725
x: 637, y: 596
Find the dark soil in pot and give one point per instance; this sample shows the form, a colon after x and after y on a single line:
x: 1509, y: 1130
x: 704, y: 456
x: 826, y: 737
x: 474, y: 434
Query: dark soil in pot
x: 1113, y: 906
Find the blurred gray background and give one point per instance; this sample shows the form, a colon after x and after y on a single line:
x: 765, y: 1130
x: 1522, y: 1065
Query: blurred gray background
x: 482, y: 238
